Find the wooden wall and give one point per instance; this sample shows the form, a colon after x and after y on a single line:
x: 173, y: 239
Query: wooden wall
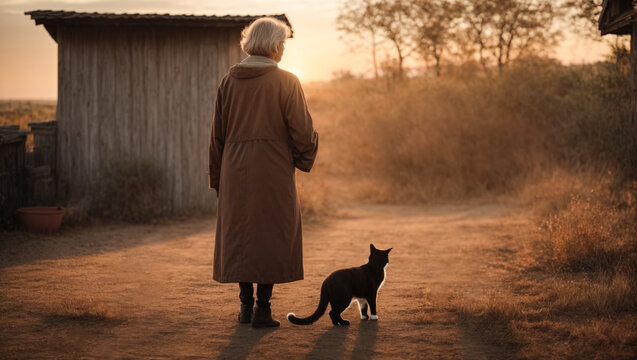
x: 140, y: 93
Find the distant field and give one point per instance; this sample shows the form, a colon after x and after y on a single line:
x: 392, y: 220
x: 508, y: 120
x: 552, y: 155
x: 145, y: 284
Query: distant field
x: 22, y: 112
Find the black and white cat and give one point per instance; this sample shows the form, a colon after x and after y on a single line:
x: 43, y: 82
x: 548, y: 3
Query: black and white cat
x: 342, y: 286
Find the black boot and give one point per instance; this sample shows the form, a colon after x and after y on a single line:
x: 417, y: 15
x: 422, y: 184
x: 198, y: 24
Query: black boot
x: 247, y: 303
x: 263, y: 314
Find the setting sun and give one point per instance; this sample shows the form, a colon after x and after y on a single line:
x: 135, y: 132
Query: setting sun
x: 297, y: 72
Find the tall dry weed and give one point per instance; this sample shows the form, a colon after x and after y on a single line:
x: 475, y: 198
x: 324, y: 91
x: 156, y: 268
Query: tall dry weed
x: 590, y: 235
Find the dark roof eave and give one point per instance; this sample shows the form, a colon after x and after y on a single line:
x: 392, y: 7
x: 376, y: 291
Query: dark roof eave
x: 621, y: 25
x: 51, y: 19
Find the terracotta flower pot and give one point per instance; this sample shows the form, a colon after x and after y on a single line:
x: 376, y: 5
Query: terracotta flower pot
x: 41, y: 218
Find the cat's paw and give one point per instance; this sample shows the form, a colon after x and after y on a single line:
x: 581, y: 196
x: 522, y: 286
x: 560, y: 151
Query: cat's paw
x: 344, y: 323
x: 364, y: 317
x: 373, y: 317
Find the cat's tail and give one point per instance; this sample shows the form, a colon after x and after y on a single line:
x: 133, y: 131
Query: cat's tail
x: 317, y: 314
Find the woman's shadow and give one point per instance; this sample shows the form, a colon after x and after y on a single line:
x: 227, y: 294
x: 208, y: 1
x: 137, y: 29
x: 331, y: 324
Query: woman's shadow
x: 242, y: 341
x: 331, y: 344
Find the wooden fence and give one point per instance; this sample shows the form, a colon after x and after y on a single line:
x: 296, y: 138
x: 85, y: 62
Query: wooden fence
x: 12, y: 173
x: 41, y: 164
x: 26, y: 178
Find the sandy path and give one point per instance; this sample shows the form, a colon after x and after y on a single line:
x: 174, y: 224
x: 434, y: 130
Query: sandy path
x: 150, y: 291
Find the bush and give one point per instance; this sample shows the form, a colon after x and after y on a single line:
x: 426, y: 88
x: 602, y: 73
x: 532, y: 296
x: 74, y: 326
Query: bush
x: 131, y: 191
x: 590, y: 235
x: 472, y: 135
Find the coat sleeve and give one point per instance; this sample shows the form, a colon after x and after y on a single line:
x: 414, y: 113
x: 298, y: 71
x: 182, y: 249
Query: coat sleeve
x: 303, y: 137
x: 217, y: 140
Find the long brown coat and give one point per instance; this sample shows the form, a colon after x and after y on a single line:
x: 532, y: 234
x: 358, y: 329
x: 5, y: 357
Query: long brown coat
x: 261, y: 131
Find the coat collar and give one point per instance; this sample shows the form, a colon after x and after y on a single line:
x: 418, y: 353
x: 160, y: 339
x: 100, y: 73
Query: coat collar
x: 257, y: 61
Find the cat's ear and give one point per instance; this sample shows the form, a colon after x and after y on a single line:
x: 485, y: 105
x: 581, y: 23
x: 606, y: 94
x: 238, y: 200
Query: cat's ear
x: 372, y: 247
x: 388, y: 250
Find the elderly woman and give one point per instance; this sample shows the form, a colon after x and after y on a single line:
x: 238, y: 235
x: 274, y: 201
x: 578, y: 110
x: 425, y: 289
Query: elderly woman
x: 261, y: 132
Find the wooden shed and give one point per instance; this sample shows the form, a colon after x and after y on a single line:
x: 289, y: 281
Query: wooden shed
x: 139, y: 86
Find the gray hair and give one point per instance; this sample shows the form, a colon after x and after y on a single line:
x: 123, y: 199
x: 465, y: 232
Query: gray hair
x: 263, y: 36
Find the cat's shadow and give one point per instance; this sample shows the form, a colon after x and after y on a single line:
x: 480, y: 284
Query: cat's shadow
x: 365, y: 340
x: 331, y: 344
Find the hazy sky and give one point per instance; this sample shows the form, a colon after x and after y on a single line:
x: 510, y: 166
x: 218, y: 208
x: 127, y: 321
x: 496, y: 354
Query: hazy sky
x: 28, y: 55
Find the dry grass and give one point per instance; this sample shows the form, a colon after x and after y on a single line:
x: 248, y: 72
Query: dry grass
x: 576, y: 294
x: 596, y: 297
x: 584, y: 339
x: 490, y: 309
x: 589, y: 222
x: 570, y: 319
x: 590, y: 235
x: 549, y: 192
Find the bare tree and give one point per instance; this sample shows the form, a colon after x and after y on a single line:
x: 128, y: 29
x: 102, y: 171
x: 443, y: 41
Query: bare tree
x: 395, y: 24
x: 359, y: 18
x: 495, y: 31
x: 504, y: 29
x: 436, y: 24
x: 586, y: 11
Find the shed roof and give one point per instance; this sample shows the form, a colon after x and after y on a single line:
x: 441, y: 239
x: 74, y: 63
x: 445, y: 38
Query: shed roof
x: 617, y: 17
x: 51, y: 18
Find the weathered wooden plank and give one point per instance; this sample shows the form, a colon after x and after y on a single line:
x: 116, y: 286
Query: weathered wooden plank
x: 72, y: 114
x: 73, y: 121
x: 191, y: 112
x: 201, y: 164
x: 166, y: 120
x: 103, y: 118
x: 235, y: 48
x: 151, y: 52
x: 123, y: 108
x: 222, y: 54
x: 93, y: 110
x: 139, y: 135
x: 106, y: 121
x: 86, y: 71
x: 208, y: 86
x: 62, y: 111
x: 633, y: 64
x: 178, y: 100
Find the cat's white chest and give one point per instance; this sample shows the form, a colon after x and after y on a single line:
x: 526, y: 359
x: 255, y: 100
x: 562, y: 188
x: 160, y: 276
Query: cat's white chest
x: 384, y: 278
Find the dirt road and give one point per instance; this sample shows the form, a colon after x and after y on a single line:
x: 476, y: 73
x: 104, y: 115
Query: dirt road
x: 145, y: 291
